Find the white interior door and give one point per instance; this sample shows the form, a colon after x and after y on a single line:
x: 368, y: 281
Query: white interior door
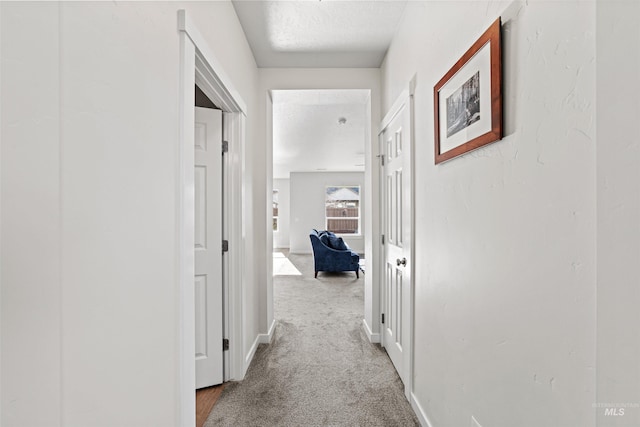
x: 395, y: 142
x: 208, y: 247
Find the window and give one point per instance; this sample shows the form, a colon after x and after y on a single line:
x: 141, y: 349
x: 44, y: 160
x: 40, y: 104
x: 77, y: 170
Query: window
x: 342, y: 209
x: 275, y: 210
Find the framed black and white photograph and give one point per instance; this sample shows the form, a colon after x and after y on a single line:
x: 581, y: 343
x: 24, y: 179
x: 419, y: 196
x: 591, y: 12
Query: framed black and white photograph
x: 468, y: 99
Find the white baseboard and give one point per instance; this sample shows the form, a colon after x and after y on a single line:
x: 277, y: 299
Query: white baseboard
x: 373, y: 338
x: 249, y: 357
x: 260, y: 339
x: 266, y: 338
x: 420, y: 413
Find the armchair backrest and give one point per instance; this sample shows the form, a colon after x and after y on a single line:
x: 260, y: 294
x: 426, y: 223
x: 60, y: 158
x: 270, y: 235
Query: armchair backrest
x: 326, y: 240
x: 316, y: 243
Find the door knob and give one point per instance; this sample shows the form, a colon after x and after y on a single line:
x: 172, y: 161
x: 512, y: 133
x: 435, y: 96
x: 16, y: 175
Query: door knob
x: 400, y: 262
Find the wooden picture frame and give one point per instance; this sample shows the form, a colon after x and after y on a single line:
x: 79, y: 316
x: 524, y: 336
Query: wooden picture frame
x: 468, y: 99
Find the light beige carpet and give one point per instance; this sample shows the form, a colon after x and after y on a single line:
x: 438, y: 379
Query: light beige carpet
x: 320, y: 369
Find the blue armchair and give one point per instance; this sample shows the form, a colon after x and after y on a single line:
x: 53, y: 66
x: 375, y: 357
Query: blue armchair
x: 331, y: 253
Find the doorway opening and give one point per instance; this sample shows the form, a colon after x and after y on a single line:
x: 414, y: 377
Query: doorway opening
x: 199, y: 66
x: 320, y: 141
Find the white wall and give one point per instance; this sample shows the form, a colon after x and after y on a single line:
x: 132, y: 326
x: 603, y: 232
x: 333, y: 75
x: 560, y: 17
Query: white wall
x: 281, y: 237
x: 1, y: 268
x: 327, y: 78
x: 89, y: 207
x: 505, y: 236
x: 308, y: 206
x: 30, y: 198
x: 618, y: 225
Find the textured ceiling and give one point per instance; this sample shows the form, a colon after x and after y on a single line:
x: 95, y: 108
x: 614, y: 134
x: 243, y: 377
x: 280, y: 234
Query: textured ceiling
x: 307, y: 135
x: 319, y: 33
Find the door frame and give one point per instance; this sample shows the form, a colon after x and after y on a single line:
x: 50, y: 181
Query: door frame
x: 406, y: 100
x: 372, y: 235
x: 198, y: 65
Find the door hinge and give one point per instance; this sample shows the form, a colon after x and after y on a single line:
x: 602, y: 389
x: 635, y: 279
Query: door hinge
x: 382, y: 239
x: 225, y: 344
x: 382, y: 159
x: 225, y: 246
x: 225, y: 146
x: 383, y: 318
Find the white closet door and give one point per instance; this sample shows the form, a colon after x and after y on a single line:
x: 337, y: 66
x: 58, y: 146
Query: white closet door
x: 208, y: 247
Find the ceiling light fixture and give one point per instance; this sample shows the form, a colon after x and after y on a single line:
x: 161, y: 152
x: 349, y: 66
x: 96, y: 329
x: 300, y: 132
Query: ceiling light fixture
x: 342, y: 120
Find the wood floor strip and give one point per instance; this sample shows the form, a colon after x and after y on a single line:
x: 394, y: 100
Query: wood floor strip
x: 205, y: 399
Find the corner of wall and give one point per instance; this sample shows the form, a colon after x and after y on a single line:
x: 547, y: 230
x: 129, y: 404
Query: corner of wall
x: 373, y: 337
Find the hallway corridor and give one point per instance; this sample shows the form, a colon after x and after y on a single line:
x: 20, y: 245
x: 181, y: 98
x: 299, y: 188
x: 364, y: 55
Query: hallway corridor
x: 320, y: 368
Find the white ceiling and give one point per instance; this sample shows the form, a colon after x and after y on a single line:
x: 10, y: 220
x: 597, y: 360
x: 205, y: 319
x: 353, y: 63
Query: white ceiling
x: 327, y: 33
x: 307, y: 136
